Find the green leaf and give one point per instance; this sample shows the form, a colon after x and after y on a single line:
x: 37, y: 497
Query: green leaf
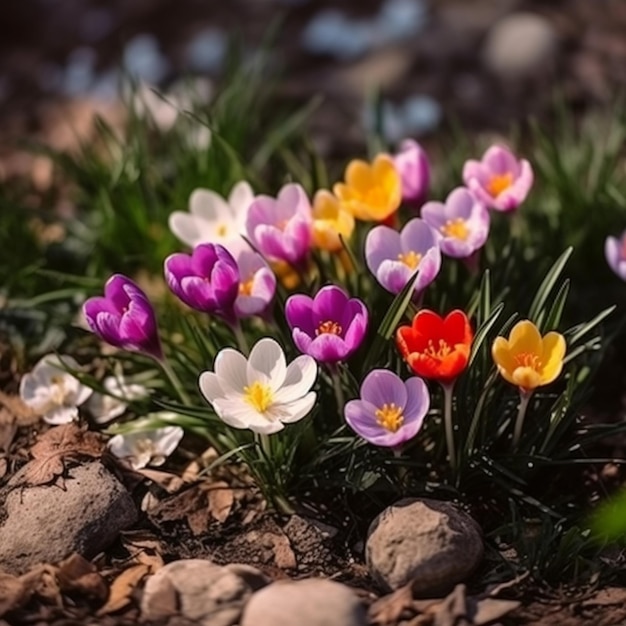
x: 546, y: 287
x: 556, y: 310
x: 483, y: 331
x: 578, y: 332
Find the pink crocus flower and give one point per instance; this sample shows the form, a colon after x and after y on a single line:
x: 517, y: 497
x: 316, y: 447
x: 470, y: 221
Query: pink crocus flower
x: 615, y: 254
x: 499, y: 179
x: 281, y: 228
x: 414, y: 169
x: 394, y: 257
x: 462, y: 220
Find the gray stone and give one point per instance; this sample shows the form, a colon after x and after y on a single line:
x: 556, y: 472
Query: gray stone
x: 431, y: 544
x: 46, y: 523
x: 520, y: 45
x: 198, y: 590
x: 312, y: 602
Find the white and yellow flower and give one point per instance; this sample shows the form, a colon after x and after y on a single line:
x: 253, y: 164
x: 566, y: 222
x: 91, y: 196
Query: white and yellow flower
x: 146, y: 447
x: 261, y: 393
x: 105, y: 407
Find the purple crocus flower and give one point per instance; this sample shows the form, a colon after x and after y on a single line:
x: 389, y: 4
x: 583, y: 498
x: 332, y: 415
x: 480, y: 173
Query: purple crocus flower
x: 389, y: 411
x: 462, y: 220
x: 281, y: 228
x: 124, y: 317
x: 206, y: 280
x: 615, y: 253
x: 499, y: 180
x: 414, y: 169
x: 394, y: 257
x: 329, y: 327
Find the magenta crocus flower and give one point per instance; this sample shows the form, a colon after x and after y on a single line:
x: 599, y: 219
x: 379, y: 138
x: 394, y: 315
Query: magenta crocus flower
x: 414, y: 169
x: 393, y: 257
x: 499, y: 180
x: 257, y: 282
x: 329, y: 327
x: 206, y: 280
x: 462, y: 220
x: 124, y: 317
x: 615, y: 253
x: 281, y: 228
x: 389, y: 411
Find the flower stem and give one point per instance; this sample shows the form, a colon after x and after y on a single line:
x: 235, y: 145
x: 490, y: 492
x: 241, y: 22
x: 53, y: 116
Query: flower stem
x: 448, y: 389
x: 335, y: 374
x: 168, y: 370
x: 524, y: 399
x: 242, y: 342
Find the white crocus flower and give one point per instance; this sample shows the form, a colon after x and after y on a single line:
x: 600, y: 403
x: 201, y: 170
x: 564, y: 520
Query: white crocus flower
x: 146, y: 447
x: 106, y: 407
x: 52, y: 392
x: 211, y: 218
x: 261, y: 393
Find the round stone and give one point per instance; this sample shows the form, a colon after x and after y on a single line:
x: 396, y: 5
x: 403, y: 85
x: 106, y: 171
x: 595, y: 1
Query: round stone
x: 311, y: 602
x: 431, y: 544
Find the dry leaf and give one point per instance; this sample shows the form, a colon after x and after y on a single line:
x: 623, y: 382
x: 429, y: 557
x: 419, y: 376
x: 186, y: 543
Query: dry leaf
x: 143, y: 548
x: 57, y: 445
x: 221, y: 498
x: 123, y: 587
x: 168, y: 482
x: 77, y: 574
x: 23, y: 414
x: 606, y: 597
x: 283, y: 554
x: 14, y: 593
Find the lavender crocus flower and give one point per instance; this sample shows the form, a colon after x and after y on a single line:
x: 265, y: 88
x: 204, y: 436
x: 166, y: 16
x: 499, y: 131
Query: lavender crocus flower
x: 329, y: 327
x: 124, y: 317
x: 281, y: 228
x: 206, y: 280
x: 394, y: 257
x: 499, y: 180
x: 615, y: 254
x: 389, y: 411
x: 414, y: 169
x: 462, y: 220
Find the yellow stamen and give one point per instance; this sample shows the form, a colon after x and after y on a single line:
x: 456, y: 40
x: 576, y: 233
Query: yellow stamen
x: 259, y: 396
x: 390, y: 417
x: 456, y: 228
x: 329, y: 327
x: 498, y: 183
x: 222, y: 229
x: 528, y: 359
x: 411, y: 259
x: 245, y: 287
x: 440, y: 352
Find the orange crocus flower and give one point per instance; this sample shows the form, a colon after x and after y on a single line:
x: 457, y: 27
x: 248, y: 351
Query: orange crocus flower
x: 435, y: 347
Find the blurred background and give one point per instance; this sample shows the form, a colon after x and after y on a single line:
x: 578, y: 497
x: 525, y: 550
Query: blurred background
x: 478, y: 64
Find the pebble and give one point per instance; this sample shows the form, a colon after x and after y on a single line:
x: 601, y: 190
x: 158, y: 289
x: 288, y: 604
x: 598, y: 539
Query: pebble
x: 201, y: 591
x: 311, y: 602
x: 431, y: 544
x: 520, y: 45
x: 47, y: 523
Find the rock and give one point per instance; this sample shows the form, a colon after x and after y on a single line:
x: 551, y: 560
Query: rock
x: 520, y: 46
x: 46, y: 523
x: 200, y: 591
x: 431, y: 544
x: 312, y: 602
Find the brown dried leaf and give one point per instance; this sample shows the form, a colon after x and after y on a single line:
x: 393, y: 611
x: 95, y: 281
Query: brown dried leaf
x: 23, y: 414
x: 606, y: 597
x: 168, y: 482
x: 77, y: 574
x: 144, y: 548
x: 123, y: 587
x: 221, y: 499
x: 283, y: 554
x: 14, y: 593
x: 67, y: 442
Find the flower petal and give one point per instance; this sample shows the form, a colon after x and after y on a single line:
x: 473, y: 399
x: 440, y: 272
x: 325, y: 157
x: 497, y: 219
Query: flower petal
x: 231, y: 369
x: 300, y: 377
x: 267, y: 364
x: 381, y: 387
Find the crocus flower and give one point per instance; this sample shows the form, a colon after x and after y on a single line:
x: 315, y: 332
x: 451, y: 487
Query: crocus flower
x: 280, y: 228
x: 527, y: 359
x: 51, y: 391
x: 146, y: 447
x: 394, y: 257
x: 329, y: 327
x: 257, y: 282
x: 370, y: 192
x: 434, y: 347
x: 211, y: 219
x: 412, y: 165
x: 105, y: 407
x: 206, y: 280
x: 389, y: 411
x: 499, y: 180
x: 462, y: 220
x: 124, y: 317
x: 615, y: 253
x: 330, y: 220
x: 261, y: 393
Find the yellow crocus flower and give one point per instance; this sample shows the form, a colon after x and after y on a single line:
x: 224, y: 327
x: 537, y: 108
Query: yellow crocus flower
x: 371, y: 192
x: 527, y: 359
x: 329, y: 221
